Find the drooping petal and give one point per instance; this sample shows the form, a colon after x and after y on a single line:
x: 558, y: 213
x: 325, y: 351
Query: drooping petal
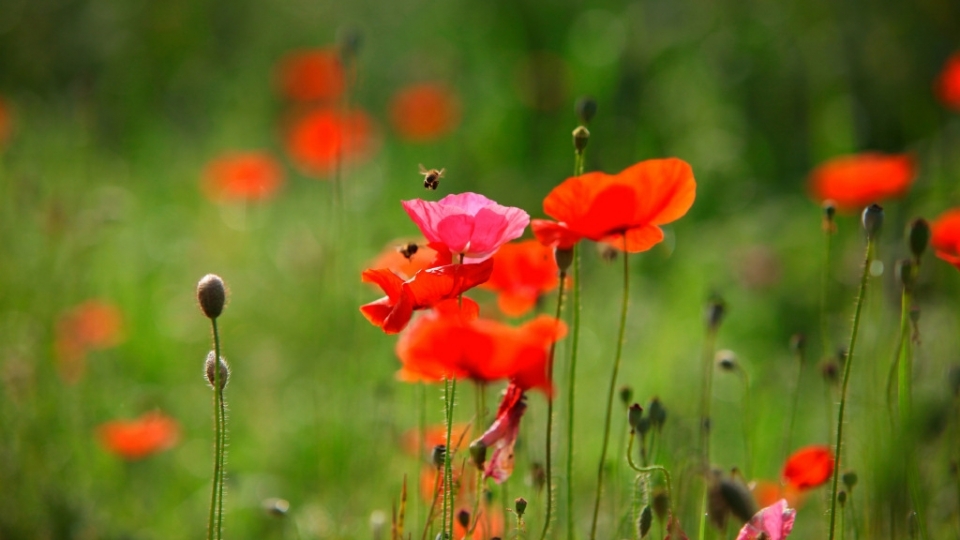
x: 502, y: 435
x: 443, y: 282
x: 554, y: 234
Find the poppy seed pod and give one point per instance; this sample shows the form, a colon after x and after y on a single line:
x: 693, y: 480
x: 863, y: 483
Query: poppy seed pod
x: 635, y: 415
x: 212, y: 295
x: 849, y: 480
x: 581, y: 136
x: 520, y: 505
x: 918, y: 236
x: 211, y: 375
x: 585, y: 108
x: 872, y: 220
x: 564, y: 258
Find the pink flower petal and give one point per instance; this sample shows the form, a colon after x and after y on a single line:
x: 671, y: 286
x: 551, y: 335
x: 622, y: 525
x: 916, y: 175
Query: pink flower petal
x: 776, y: 521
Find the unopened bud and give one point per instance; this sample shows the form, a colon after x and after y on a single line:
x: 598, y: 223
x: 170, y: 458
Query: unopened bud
x: 478, y: 452
x: 829, y: 370
x: 626, y: 395
x: 714, y: 312
x: 849, y: 480
x: 738, y: 498
x: 918, y: 236
x: 798, y: 344
x: 212, y: 295
x: 906, y: 272
x: 726, y: 360
x: 438, y: 455
x: 581, y: 136
x: 872, y: 220
x: 212, y: 375
x: 463, y: 518
x: 520, y: 505
x: 645, y: 522
x: 657, y: 413
x: 585, y: 108
x: 661, y: 504
x: 842, y: 498
x: 635, y: 416
x: 564, y: 258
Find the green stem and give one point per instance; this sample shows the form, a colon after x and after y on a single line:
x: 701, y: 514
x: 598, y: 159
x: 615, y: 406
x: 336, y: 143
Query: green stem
x: 745, y: 379
x: 904, y: 394
x: 647, y: 469
x: 706, y: 364
x: 549, y: 442
x: 571, y: 386
x: 612, y: 388
x: 794, y: 405
x: 867, y: 259
x: 824, y: 289
x: 213, y: 526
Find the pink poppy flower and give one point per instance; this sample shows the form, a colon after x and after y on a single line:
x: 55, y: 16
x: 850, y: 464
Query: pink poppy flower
x: 502, y: 435
x: 771, y: 523
x: 467, y: 223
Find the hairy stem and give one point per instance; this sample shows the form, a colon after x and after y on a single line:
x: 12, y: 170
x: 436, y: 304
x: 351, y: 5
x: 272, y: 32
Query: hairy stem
x: 549, y: 442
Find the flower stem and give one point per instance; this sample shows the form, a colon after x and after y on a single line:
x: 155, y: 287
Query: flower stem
x: 215, y: 523
x: 449, y: 395
x: 572, y: 371
x: 709, y: 346
x: 824, y: 289
x: 904, y: 395
x: 867, y: 259
x: 612, y: 387
x: 549, y: 442
x: 794, y: 404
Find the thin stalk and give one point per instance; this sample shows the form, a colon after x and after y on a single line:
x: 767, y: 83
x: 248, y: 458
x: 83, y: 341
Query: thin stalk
x: 709, y: 346
x: 572, y: 374
x: 612, y: 388
x: 448, y: 460
x: 214, y: 523
x: 421, y: 440
x: 648, y: 469
x: 745, y: 379
x: 904, y: 394
x: 824, y: 290
x: 794, y: 405
x: 867, y: 259
x: 549, y: 442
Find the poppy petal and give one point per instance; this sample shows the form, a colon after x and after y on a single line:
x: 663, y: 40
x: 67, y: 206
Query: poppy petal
x: 638, y: 240
x: 809, y: 467
x: 553, y: 234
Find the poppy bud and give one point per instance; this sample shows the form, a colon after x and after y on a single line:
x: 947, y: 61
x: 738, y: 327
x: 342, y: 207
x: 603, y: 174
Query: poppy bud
x: 478, y: 452
x: 626, y: 395
x: 634, y: 416
x: 212, y: 295
x: 211, y: 375
x: 585, y: 108
x: 581, y: 136
x: 842, y: 498
x: 738, y: 498
x: 906, y: 272
x: 872, y: 220
x: 463, y: 518
x: 564, y: 258
x: 715, y: 310
x: 657, y: 413
x: 829, y: 370
x: 798, y: 344
x: 918, y: 236
x: 520, y: 505
x: 438, y: 455
x: 645, y: 522
x: 661, y: 504
x: 726, y: 360
x: 849, y: 480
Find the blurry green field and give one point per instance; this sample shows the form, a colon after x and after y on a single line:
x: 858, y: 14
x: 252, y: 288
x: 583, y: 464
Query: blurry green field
x: 118, y: 107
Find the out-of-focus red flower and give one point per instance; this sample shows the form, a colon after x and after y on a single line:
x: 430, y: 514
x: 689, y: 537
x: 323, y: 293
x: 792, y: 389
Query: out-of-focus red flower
x: 947, y: 85
x: 151, y: 433
x: 855, y: 181
x: 502, y: 436
x: 766, y: 493
x: 453, y: 343
x: 418, y: 446
x: 91, y: 325
x: 6, y: 122
x: 605, y: 208
x: 242, y: 176
x: 424, y: 112
x: 311, y: 74
x: 945, y: 236
x: 809, y: 467
x: 424, y: 290
x: 468, y: 224
x: 318, y: 139
x: 392, y: 258
x: 522, y: 271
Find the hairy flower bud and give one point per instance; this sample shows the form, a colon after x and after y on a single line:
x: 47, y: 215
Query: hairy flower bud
x: 906, y: 271
x: 211, y: 374
x: 918, y: 236
x: 212, y: 295
x: 520, y: 505
x: 581, y: 136
x: 872, y: 220
x: 645, y: 522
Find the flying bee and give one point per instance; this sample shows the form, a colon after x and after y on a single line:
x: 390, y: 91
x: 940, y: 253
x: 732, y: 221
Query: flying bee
x: 408, y: 250
x: 431, y: 178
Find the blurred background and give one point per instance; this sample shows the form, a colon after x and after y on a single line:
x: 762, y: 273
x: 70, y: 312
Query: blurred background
x: 121, y: 124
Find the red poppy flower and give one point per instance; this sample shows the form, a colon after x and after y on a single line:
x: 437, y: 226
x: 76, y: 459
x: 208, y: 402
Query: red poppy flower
x: 607, y: 208
x: 766, y: 493
x: 452, y: 343
x: 242, y: 176
x: 948, y: 83
x: 424, y: 290
x: 502, y: 436
x: 424, y: 112
x: 945, y: 236
x: 313, y: 74
x: 151, y: 433
x: 808, y: 467
x: 91, y: 325
x: 522, y: 271
x: 318, y: 139
x: 392, y: 258
x: 853, y: 182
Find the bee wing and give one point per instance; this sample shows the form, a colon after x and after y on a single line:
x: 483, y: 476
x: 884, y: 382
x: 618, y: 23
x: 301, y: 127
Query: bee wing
x: 422, y: 169
x: 440, y: 172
